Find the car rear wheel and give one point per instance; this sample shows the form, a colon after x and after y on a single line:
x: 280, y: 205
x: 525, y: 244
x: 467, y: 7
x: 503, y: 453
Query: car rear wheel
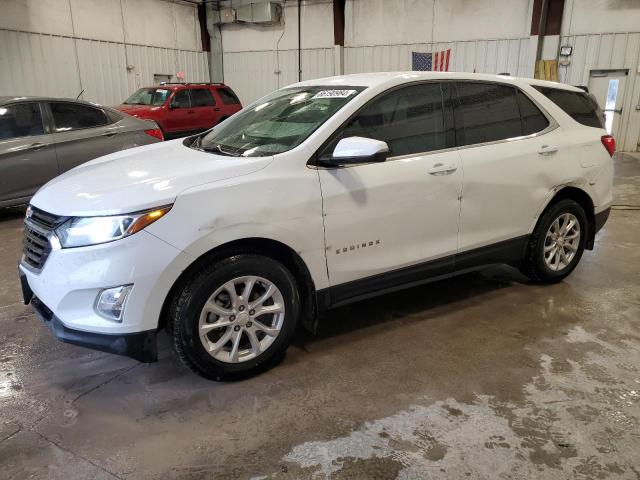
x: 557, y: 243
x: 235, y: 317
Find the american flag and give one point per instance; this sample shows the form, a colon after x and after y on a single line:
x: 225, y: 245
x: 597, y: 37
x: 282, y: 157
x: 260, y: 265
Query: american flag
x: 438, y: 62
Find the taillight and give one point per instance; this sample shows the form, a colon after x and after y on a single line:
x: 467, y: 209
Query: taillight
x: 155, y: 132
x: 609, y: 143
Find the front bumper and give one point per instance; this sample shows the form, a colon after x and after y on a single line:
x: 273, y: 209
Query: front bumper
x: 140, y: 346
x: 64, y: 292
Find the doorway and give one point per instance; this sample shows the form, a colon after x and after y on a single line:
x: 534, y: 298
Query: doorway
x: 159, y: 78
x: 608, y: 88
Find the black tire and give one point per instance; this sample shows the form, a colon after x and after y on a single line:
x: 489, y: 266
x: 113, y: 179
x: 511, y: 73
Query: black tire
x: 185, y: 309
x: 534, y: 265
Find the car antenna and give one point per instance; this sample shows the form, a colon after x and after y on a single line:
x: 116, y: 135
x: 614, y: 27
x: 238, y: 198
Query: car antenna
x: 80, y: 94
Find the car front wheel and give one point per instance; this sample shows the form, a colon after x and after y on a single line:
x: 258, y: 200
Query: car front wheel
x: 235, y: 317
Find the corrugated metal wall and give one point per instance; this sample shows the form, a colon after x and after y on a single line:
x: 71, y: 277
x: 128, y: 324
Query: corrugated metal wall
x: 609, y: 52
x: 481, y: 56
x: 32, y: 64
x: 40, y: 64
x: 255, y: 73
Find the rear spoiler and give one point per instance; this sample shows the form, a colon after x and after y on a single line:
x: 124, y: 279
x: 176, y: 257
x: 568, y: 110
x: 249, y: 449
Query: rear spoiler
x: 582, y: 87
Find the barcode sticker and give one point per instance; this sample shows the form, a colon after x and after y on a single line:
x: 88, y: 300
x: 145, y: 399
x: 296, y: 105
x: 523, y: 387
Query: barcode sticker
x: 334, y: 94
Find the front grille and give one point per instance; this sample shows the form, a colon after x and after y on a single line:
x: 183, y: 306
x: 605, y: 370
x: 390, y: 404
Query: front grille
x: 38, y: 226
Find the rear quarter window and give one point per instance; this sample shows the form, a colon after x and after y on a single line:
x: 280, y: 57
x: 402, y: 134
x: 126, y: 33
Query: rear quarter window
x: 228, y: 97
x: 578, y: 105
x: 113, y: 116
x: 533, y: 120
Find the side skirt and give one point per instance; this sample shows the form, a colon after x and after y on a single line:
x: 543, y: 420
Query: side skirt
x: 508, y: 251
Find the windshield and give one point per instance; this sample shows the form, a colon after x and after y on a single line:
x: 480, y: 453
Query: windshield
x: 276, y: 123
x: 148, y: 96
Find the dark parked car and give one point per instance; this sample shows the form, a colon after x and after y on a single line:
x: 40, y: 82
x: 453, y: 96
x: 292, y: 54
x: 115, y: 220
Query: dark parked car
x: 42, y: 137
x: 183, y: 108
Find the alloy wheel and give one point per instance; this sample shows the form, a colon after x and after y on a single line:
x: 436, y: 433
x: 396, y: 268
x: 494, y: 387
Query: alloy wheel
x: 561, y: 242
x: 241, y: 319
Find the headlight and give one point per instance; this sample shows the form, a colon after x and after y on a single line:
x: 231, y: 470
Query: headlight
x: 83, y: 231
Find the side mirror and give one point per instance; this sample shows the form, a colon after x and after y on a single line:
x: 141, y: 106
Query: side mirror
x: 357, y: 150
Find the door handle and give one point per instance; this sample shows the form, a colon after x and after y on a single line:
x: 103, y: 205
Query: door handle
x: 547, y: 150
x: 216, y: 109
x: 36, y: 146
x: 441, y: 169
x: 109, y: 134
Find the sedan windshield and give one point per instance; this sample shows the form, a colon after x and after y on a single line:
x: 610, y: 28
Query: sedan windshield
x: 276, y: 123
x: 148, y: 96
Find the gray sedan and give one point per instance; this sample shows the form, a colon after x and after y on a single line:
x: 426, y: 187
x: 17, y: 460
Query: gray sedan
x: 42, y: 137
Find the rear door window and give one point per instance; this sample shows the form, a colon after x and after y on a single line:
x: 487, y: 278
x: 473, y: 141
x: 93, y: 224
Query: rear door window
x: 228, y: 97
x: 578, y: 105
x: 409, y: 119
x: 533, y: 120
x: 202, y: 97
x: 72, y: 116
x: 485, y: 112
x: 20, y: 120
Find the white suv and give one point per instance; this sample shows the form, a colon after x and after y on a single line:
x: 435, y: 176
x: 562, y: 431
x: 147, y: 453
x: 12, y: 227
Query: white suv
x: 319, y: 194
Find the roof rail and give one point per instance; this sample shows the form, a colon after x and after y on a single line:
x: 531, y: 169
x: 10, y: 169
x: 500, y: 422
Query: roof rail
x: 191, y: 83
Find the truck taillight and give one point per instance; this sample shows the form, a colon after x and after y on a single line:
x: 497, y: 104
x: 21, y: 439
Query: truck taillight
x: 609, y: 143
x: 155, y: 132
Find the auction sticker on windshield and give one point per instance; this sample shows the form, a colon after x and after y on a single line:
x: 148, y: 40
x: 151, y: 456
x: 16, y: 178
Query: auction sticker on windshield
x: 334, y: 94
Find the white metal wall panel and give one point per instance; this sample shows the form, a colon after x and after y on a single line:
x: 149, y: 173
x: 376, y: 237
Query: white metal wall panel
x: 250, y: 74
x: 608, y: 51
x: 148, y: 61
x: 482, y: 56
x: 103, y: 72
x: 317, y: 63
x: 33, y: 64
x: 50, y: 65
x: 256, y: 73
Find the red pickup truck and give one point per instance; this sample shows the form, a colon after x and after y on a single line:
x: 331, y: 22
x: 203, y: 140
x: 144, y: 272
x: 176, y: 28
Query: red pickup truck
x: 183, y: 108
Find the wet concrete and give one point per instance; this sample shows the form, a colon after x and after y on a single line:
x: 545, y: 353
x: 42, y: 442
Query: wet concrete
x: 483, y: 376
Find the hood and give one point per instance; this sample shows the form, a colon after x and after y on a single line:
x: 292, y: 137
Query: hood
x: 138, y: 178
x: 138, y: 110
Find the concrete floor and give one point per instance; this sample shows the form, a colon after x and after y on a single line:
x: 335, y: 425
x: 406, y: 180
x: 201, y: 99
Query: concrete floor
x: 484, y: 376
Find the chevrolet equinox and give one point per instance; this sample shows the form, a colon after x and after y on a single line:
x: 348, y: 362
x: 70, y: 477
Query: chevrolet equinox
x: 322, y: 193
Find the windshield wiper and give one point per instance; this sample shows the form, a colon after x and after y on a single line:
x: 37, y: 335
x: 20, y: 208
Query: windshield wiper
x: 216, y: 149
x: 197, y: 143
